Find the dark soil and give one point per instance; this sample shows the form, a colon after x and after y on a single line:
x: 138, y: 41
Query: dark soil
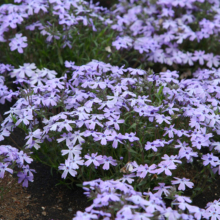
x: 44, y: 200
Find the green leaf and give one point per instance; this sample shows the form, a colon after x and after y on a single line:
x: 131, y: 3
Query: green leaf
x: 142, y: 183
x: 153, y: 154
x: 14, y: 118
x: 60, y: 57
x: 160, y: 90
x: 79, y: 185
x: 132, y: 126
x: 51, y: 171
x: 127, y: 117
x: 132, y: 151
x: 39, y: 41
x: 128, y: 113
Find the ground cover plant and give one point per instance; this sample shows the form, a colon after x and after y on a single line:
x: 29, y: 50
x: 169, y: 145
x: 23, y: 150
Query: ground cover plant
x: 94, y: 108
x: 49, y: 32
x: 177, y: 35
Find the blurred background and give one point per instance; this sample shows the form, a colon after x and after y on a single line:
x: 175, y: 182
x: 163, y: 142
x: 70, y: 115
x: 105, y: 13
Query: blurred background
x: 104, y: 3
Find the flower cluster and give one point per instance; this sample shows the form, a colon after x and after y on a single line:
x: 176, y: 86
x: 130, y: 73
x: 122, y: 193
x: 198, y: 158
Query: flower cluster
x: 48, y: 25
x: 173, y: 33
x: 127, y: 203
x: 134, y: 128
x: 96, y: 103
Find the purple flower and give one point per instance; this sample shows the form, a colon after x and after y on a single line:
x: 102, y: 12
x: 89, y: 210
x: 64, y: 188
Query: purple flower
x: 161, y: 118
x: 152, y: 145
x: 23, y: 157
x: 3, y: 168
x: 182, y: 202
x: 111, y: 111
x: 117, y: 139
x: 210, y: 159
x: 115, y: 121
x: 36, y: 134
x: 131, y: 137
x: 143, y: 170
x: 74, y: 162
x: 64, y: 124
x: 141, y: 44
x: 171, y: 214
x: 67, y: 168
x: 120, y: 87
x: 73, y: 150
x: 10, y: 21
x: 212, y: 60
x: 170, y: 131
x: 126, y: 212
x: 107, y: 197
x: 84, y: 216
x: 107, y: 161
x: 217, y: 167
x: 24, y: 117
x: 171, y: 158
x: 92, y: 123
x: 24, y: 177
x: 50, y: 100
x: 165, y: 166
x: 188, y: 153
x: 104, y: 138
x: 136, y: 72
x: 162, y: 189
x: 122, y: 42
x: 76, y: 136
x: 71, y: 138
x: 3, y: 133
x: 212, y: 214
x: 213, y: 205
x: 96, y: 160
x: 27, y: 169
x: 138, y: 200
x: 170, y: 109
x: 182, y: 183
x: 199, y: 55
x: 34, y: 143
x: 198, y: 143
x: 18, y: 43
x: 127, y: 178
x: 182, y: 132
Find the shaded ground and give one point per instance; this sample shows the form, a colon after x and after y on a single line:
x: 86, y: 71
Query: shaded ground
x: 45, y: 201
x: 41, y: 200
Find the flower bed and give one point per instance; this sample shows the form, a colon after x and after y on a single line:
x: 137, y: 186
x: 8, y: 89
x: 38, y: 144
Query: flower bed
x: 103, y: 97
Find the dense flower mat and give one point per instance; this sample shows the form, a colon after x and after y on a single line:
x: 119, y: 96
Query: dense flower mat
x: 126, y: 134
